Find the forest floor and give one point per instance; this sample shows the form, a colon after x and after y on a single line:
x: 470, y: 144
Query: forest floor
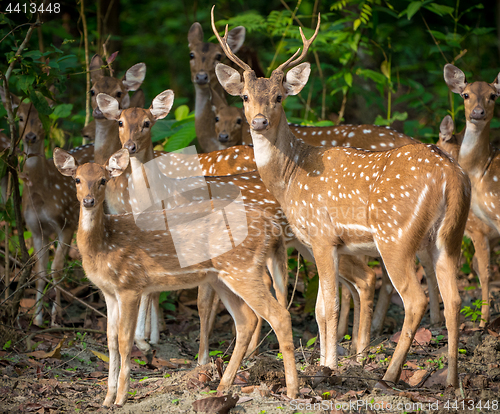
x: 66, y: 371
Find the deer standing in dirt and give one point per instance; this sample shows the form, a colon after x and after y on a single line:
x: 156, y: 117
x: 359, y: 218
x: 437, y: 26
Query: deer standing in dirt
x: 475, y: 154
x: 126, y: 262
x: 49, y: 205
x: 387, y: 216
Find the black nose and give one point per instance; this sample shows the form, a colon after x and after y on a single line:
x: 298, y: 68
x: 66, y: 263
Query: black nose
x: 88, y: 202
x: 477, y: 113
x: 30, y: 137
x: 201, y: 78
x: 223, y: 137
x: 131, y: 147
x: 259, y: 123
x: 97, y: 114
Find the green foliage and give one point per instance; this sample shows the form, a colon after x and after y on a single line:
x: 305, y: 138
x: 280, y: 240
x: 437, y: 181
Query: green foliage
x: 474, y: 312
x: 167, y: 301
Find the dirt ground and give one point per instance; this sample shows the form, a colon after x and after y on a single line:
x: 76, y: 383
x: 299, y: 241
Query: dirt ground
x: 66, y: 371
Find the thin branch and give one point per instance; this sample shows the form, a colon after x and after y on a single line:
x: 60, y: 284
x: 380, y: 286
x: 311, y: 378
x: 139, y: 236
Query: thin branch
x: 87, y: 62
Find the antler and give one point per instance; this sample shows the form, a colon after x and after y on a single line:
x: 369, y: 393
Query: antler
x: 291, y: 62
x: 227, y: 50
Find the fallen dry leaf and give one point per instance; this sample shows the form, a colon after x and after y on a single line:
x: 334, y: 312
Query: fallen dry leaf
x: 417, y: 377
x: 55, y: 353
x: 422, y: 337
x: 220, y: 405
x: 100, y: 355
x: 437, y: 378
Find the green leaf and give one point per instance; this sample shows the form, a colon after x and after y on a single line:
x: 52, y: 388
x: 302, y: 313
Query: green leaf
x: 311, y: 341
x: 386, y: 69
x: 356, y: 24
x: 439, y: 9
x: 348, y: 78
x: 40, y: 103
x: 413, y: 8
x: 61, y: 111
x: 33, y: 54
x: 181, y: 112
x: 182, y: 138
x: 25, y: 81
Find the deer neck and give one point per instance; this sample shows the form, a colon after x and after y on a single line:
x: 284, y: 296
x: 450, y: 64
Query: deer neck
x: 277, y: 155
x: 144, y: 156
x: 107, y: 140
x: 475, y: 149
x: 204, y: 118
x: 90, y: 235
x: 36, y: 169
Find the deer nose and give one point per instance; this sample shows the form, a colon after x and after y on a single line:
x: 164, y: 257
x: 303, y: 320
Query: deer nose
x: 30, y: 137
x: 130, y: 145
x: 201, y: 78
x: 477, y: 113
x: 88, y: 202
x: 97, y: 114
x: 223, y: 137
x: 259, y: 123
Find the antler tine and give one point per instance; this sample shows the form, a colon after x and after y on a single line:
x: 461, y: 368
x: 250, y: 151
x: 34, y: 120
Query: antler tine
x: 291, y: 62
x: 225, y: 47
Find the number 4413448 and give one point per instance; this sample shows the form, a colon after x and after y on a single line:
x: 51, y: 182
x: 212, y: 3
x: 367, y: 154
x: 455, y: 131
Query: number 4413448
x: 33, y: 8
x: 471, y: 405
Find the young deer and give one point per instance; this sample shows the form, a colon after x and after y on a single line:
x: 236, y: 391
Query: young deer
x: 135, y: 135
x: 483, y: 232
x: 203, y: 56
x: 126, y: 262
x: 49, y: 205
x: 397, y: 202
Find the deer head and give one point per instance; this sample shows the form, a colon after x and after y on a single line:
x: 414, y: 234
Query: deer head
x: 228, y: 121
x: 90, y: 178
x: 118, y: 88
x: 262, y: 97
x: 204, y: 56
x: 135, y: 123
x: 479, y: 97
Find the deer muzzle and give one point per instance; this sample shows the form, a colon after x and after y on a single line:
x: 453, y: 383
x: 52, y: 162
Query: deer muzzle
x: 259, y: 123
x: 130, y: 145
x: 30, y: 138
x: 223, y: 137
x: 201, y: 78
x: 88, y: 202
x: 477, y: 113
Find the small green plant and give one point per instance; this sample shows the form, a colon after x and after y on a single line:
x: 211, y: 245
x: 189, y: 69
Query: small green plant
x: 462, y: 351
x: 347, y: 337
x: 132, y: 393
x: 81, y: 338
x: 439, y: 362
x: 474, y: 312
x: 7, y: 345
x: 279, y: 356
x: 215, y: 353
x: 176, y: 401
x: 143, y: 379
x: 437, y: 339
x: 137, y: 360
x: 311, y: 342
x: 167, y: 376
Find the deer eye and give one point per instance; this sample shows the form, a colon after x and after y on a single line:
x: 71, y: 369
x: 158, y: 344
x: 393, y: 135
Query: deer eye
x: 493, y: 97
x: 21, y: 119
x: 77, y: 180
x: 92, y: 92
x: 238, y: 121
x: 191, y: 55
x: 279, y: 98
x: 245, y: 98
x: 120, y: 123
x: 146, y: 124
x: 118, y: 94
x: 216, y: 119
x: 102, y: 182
x: 218, y: 57
x: 465, y: 96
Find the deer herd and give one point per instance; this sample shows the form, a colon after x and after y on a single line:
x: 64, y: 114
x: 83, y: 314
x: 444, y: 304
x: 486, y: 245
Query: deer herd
x: 337, y: 194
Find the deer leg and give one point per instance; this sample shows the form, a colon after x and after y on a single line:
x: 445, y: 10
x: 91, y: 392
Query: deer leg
x: 114, y: 358
x: 401, y: 271
x: 327, y: 264
x: 245, y: 321
x: 345, y: 307
x: 430, y: 275
x: 446, y: 273
x: 140, y: 329
x: 128, y: 310
x: 206, y: 299
x: 383, y: 302
x: 57, y: 266
x: 482, y: 258
x: 154, y: 335
x: 42, y: 259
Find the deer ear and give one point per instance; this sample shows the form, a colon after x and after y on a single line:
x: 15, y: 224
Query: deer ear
x: 195, y: 34
x: 118, y: 162
x: 230, y: 79
x: 65, y: 162
x: 14, y: 100
x: 235, y: 38
x: 296, y: 78
x: 446, y: 128
x: 134, y: 77
x: 162, y: 104
x: 496, y: 83
x: 109, y: 106
x: 96, y: 72
x: 454, y: 78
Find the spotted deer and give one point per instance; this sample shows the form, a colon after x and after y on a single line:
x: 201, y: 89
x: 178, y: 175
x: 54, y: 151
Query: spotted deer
x: 135, y: 135
x: 49, y: 205
x: 351, y: 201
x: 126, y: 262
x: 472, y: 148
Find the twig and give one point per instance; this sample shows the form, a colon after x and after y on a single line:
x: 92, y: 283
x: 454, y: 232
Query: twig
x: 87, y: 63
x: 434, y: 39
